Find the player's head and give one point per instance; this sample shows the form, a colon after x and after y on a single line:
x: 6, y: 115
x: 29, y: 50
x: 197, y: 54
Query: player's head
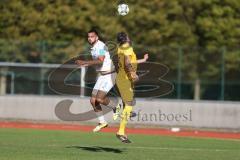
x: 122, y: 38
x: 92, y: 36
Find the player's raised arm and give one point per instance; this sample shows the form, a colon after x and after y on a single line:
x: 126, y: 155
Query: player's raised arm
x: 144, y: 59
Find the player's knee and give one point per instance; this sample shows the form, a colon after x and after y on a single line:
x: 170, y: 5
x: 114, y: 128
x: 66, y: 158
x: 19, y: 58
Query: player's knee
x: 130, y: 102
x: 99, y: 100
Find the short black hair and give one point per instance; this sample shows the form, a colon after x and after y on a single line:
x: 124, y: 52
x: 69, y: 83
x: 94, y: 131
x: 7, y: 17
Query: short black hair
x: 122, y: 38
x: 93, y: 30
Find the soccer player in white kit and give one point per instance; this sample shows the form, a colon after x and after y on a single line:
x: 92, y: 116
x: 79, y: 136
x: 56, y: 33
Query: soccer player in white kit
x: 105, y: 81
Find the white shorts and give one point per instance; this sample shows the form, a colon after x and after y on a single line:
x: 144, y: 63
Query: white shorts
x: 104, y: 83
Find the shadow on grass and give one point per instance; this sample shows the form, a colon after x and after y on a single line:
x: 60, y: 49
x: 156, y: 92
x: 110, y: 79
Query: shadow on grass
x: 98, y: 149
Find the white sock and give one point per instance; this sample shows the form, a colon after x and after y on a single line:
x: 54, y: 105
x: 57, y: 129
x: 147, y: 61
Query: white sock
x: 100, y: 117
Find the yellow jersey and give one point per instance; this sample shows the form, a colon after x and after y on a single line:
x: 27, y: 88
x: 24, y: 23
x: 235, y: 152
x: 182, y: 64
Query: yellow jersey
x: 125, y: 50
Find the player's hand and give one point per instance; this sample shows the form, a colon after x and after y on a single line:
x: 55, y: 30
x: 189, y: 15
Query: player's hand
x: 133, y: 76
x: 145, y: 57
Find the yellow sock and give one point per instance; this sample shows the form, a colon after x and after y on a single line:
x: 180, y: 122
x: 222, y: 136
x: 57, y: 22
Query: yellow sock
x: 125, y: 116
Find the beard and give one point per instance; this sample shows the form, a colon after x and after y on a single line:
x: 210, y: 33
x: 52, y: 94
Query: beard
x: 93, y: 42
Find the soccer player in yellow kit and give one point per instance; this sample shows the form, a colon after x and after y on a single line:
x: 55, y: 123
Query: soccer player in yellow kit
x: 126, y: 76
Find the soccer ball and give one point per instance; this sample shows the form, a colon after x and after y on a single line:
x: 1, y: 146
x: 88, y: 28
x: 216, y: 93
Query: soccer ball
x: 123, y: 9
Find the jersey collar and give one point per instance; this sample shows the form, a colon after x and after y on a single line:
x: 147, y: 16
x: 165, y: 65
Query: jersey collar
x: 95, y: 45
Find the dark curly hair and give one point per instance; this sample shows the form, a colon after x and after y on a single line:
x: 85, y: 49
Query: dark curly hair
x: 122, y: 38
x: 93, y: 30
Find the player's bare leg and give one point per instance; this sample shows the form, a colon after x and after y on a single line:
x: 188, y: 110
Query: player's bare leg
x: 104, y: 100
x: 98, y: 110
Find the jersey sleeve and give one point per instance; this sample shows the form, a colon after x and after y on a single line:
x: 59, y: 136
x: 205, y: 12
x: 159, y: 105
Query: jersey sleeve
x: 102, y: 50
x: 128, y: 51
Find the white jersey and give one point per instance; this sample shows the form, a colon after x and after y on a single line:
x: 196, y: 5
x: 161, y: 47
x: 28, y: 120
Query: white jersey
x: 100, y: 49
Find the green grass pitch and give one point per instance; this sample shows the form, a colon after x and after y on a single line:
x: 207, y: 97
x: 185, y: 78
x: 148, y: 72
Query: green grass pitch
x: 31, y: 144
